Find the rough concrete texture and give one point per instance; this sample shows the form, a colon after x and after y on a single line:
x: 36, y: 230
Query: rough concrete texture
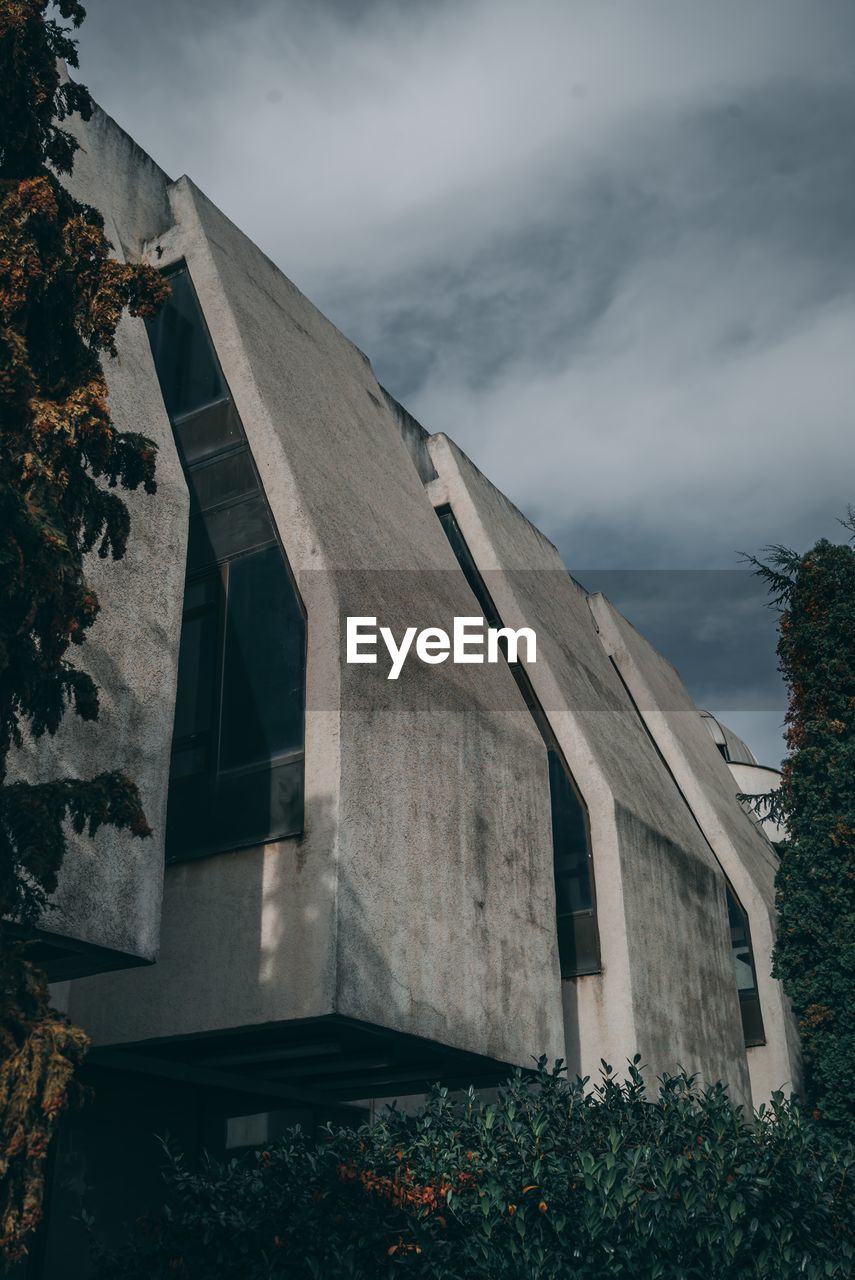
x: 420, y: 896
x: 667, y: 987
x: 110, y: 888
x: 121, y: 180
x: 745, y: 856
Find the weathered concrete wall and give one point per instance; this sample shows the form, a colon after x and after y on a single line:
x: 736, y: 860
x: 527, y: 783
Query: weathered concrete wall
x: 745, y: 856
x: 420, y: 896
x: 110, y: 889
x: 667, y: 987
x: 122, y: 181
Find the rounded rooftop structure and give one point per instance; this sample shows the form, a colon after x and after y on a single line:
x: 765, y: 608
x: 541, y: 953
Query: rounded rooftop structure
x: 731, y: 746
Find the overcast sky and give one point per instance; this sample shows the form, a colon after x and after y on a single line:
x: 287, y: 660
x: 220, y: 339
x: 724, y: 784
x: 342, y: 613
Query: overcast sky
x: 607, y: 245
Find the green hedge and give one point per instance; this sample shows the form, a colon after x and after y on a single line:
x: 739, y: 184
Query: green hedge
x: 815, y: 951
x: 551, y: 1180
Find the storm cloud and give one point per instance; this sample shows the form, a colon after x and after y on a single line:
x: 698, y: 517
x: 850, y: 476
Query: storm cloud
x: 607, y: 245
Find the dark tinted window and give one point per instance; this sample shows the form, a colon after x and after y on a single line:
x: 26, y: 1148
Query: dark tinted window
x: 194, y: 696
x: 578, y: 940
x: 263, y: 662
x: 228, y: 531
x: 746, y: 979
x: 187, y: 367
x: 225, y: 479
x: 237, y: 756
x: 570, y: 842
x: 470, y: 570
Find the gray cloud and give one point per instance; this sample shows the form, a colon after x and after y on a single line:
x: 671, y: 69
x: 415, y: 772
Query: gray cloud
x: 606, y: 245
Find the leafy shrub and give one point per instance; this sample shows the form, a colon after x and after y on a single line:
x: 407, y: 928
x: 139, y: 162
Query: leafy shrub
x: 551, y: 1180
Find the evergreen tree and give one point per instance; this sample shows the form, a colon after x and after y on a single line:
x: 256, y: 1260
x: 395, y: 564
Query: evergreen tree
x: 815, y: 950
x: 61, y: 460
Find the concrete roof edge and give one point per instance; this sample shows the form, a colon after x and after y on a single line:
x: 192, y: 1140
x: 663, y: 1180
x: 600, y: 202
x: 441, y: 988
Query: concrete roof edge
x: 447, y: 439
x: 184, y: 180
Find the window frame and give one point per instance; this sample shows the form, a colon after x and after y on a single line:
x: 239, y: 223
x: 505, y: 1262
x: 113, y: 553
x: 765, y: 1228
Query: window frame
x: 750, y: 1008
x: 206, y: 790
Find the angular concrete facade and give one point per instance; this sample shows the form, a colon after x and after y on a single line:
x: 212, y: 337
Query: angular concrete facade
x: 309, y: 931
x: 744, y: 855
x: 660, y: 968
x: 405, y: 928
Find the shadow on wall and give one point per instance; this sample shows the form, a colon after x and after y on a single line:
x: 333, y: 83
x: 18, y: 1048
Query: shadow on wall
x: 225, y: 940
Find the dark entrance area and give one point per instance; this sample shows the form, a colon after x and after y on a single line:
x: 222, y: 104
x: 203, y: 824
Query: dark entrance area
x: 223, y: 1093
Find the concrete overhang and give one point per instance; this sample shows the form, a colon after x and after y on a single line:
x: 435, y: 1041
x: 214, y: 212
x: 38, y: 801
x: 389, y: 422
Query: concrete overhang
x: 306, y: 1062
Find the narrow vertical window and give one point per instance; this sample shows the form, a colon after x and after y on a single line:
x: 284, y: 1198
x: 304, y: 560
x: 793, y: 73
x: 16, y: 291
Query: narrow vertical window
x: 576, y: 915
x: 238, y: 736
x: 746, y: 977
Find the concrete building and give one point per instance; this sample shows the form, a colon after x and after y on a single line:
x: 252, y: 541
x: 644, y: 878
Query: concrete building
x: 357, y: 885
